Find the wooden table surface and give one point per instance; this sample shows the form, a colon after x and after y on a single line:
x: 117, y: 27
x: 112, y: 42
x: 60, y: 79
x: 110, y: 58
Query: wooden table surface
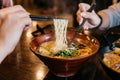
x: 22, y: 64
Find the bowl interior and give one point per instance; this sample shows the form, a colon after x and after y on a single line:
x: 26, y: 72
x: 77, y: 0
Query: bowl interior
x: 90, y: 41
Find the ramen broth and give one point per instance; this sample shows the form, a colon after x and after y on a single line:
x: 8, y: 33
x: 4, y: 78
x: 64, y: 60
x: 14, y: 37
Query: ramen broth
x: 47, y: 49
x: 59, y: 47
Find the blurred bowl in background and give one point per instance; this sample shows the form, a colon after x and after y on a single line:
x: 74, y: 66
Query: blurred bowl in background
x: 111, y: 61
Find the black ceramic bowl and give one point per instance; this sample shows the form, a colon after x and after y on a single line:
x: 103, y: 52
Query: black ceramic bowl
x: 112, y: 73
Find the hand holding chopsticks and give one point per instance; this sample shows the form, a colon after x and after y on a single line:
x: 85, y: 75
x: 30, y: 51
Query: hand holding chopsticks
x: 80, y: 27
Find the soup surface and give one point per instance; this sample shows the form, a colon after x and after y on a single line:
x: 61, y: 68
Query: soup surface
x: 47, y: 49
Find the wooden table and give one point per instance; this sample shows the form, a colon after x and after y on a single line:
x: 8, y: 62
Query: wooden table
x: 22, y: 64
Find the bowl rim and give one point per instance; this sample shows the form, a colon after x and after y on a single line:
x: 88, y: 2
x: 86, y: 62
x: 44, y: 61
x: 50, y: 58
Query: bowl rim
x: 73, y: 58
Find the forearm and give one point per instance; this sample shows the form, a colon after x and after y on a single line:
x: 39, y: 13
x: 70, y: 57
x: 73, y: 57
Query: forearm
x: 3, y: 52
x: 5, y: 48
x: 111, y: 16
x: 105, y: 21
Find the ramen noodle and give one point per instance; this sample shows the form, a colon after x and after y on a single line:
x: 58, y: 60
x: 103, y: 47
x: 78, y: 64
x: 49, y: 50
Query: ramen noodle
x: 60, y: 34
x: 59, y: 47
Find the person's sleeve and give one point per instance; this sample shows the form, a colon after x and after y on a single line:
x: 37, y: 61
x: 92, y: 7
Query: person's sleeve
x: 114, y: 14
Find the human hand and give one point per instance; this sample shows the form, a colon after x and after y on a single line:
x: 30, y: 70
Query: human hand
x: 13, y: 22
x: 7, y: 3
x: 93, y: 19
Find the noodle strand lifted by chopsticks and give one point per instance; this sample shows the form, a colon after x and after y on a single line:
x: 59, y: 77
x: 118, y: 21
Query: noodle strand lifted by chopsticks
x: 60, y: 34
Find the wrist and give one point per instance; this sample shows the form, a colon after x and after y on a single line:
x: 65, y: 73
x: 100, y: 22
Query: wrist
x: 105, y: 21
x: 3, y: 53
x: 100, y: 23
x: 4, y: 50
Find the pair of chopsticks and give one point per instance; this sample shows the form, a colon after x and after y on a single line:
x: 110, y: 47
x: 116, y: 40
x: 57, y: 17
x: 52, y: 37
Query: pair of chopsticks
x: 93, y: 5
x: 80, y: 27
x: 34, y: 17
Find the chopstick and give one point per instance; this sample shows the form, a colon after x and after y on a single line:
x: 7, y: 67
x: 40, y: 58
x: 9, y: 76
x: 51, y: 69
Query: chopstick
x: 84, y: 20
x: 80, y: 27
x: 35, y: 17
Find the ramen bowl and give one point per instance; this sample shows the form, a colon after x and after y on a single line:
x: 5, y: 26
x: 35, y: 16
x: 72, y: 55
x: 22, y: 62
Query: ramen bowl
x: 115, y: 75
x: 64, y: 67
